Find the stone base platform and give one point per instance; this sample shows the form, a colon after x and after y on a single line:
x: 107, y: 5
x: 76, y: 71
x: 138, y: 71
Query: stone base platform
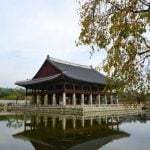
x: 77, y: 109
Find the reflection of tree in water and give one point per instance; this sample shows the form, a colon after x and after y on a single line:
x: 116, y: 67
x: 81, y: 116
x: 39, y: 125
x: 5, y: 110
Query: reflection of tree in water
x: 142, y: 118
x: 14, y: 122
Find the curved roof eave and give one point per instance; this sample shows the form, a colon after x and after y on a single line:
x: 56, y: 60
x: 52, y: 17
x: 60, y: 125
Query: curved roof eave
x: 36, y: 81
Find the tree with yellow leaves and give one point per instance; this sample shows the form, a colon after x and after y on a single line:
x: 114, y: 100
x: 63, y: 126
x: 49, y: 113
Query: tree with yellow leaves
x: 122, y: 29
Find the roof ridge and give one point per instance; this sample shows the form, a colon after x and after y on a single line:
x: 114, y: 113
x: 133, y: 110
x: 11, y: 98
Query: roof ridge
x: 69, y: 63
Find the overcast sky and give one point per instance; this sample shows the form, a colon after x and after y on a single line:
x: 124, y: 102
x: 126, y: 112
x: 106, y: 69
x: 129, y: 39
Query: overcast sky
x: 32, y: 29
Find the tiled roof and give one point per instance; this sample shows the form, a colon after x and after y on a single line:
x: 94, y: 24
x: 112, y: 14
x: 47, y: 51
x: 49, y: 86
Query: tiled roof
x: 71, y: 70
x: 79, y: 72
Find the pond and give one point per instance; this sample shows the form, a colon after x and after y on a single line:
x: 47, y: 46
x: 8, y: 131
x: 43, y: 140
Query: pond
x: 62, y: 132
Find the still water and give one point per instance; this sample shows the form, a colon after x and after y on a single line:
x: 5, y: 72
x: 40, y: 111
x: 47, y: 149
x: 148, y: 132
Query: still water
x: 62, y: 132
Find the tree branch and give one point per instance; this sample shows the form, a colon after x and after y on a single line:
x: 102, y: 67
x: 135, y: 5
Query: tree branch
x: 142, y: 10
x: 141, y: 53
x: 113, y: 4
x: 145, y: 3
x: 137, y: 11
x: 148, y: 46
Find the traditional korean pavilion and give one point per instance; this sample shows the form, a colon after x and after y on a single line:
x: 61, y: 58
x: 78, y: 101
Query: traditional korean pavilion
x: 63, y: 83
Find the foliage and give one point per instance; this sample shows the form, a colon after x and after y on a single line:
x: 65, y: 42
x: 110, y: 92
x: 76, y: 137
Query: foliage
x: 121, y: 28
x: 134, y: 97
x: 12, y: 94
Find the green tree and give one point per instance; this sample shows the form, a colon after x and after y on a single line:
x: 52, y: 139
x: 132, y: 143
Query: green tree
x: 12, y: 94
x: 122, y: 29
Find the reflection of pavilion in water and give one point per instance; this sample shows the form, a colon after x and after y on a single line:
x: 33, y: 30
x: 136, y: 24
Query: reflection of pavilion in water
x: 66, y: 131
x: 65, y: 121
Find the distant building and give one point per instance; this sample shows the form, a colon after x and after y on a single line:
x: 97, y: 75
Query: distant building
x: 63, y: 83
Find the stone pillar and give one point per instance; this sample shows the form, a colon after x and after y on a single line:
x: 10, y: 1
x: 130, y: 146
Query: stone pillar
x: 105, y: 99
x: 46, y: 100
x: 82, y: 99
x: 64, y: 98
x: 90, y: 99
x: 38, y: 100
x: 99, y: 99
x: 33, y: 99
x: 111, y: 99
x: 117, y: 99
x: 73, y: 99
x: 54, y: 99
